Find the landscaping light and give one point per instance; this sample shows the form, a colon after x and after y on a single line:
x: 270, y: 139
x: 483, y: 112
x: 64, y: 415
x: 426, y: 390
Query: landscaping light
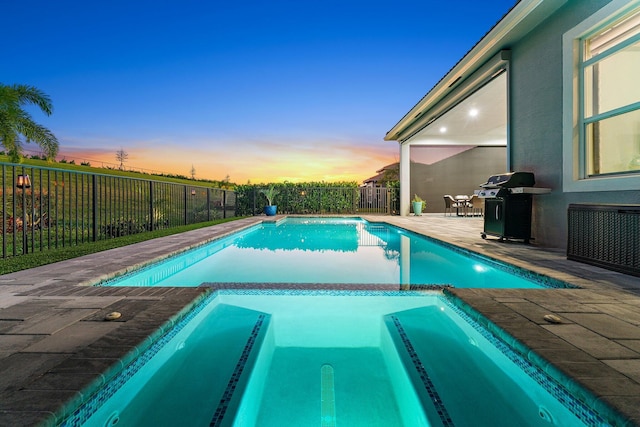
x: 23, y: 181
x: 193, y: 192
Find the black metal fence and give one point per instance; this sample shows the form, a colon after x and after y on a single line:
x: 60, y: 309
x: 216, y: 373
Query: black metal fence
x: 44, y: 208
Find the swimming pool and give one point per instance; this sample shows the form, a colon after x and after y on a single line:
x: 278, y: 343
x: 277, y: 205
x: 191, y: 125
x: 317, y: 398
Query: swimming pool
x: 331, y: 251
x: 332, y: 358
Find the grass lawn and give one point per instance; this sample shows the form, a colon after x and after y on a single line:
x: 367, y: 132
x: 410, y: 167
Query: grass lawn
x: 36, y: 259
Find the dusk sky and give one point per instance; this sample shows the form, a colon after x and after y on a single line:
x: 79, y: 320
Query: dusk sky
x: 259, y: 91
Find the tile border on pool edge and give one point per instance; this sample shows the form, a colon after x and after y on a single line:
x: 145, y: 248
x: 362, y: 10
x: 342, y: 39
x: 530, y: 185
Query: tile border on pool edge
x: 554, y: 382
x: 218, y: 286
x: 437, y: 402
x: 329, y: 292
x: 546, y: 281
x: 132, y: 270
x: 223, y: 405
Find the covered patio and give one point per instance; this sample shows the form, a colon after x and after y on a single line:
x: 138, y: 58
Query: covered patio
x: 454, y: 139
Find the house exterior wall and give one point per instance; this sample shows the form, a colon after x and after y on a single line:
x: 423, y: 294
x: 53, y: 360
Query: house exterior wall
x: 459, y: 174
x: 536, y: 120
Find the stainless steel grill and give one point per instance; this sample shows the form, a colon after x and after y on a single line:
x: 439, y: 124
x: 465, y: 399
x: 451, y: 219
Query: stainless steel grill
x: 508, y: 205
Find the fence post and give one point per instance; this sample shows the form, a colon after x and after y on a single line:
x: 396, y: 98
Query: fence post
x: 388, y: 201
x: 208, y: 204
x: 354, y: 198
x: 94, y: 206
x: 253, y: 209
x: 185, y: 205
x: 25, y: 242
x: 151, y: 217
x: 4, y: 214
x: 224, y: 203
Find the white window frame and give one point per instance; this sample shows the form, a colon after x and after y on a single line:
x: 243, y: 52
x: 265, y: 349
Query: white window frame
x: 575, y: 178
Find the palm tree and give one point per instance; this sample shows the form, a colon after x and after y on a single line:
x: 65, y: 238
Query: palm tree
x: 17, y: 126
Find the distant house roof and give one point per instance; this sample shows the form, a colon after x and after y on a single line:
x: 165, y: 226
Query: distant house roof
x: 392, y: 166
x: 381, y: 172
x: 374, y: 179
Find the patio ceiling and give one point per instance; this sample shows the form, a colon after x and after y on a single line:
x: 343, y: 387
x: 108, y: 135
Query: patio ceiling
x: 480, y: 119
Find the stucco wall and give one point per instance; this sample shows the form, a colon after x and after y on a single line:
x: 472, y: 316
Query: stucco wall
x: 536, y: 122
x: 459, y: 174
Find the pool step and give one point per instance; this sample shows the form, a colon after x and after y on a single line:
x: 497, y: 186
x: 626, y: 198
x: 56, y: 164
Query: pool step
x: 244, y: 349
x: 432, y: 403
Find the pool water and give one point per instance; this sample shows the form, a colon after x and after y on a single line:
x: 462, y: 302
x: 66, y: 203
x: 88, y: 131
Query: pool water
x: 311, y: 338
x: 323, y: 251
x: 330, y: 358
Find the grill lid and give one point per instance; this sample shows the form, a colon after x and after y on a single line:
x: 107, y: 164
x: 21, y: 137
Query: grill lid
x: 509, y: 180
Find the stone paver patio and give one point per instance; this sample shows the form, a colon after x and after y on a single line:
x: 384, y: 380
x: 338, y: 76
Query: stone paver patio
x: 55, y: 344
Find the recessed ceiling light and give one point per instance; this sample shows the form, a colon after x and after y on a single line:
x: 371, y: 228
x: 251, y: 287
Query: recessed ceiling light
x: 473, y: 112
x: 443, y: 129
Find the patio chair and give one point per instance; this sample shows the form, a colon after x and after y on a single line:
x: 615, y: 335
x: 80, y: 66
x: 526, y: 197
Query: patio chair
x: 476, y: 204
x: 450, y: 203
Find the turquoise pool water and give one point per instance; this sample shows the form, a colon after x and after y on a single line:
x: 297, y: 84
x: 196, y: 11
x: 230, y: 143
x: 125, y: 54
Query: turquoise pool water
x: 322, y: 251
x: 330, y: 358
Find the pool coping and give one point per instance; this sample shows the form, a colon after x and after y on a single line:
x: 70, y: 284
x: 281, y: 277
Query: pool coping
x: 40, y: 308
x: 579, y: 401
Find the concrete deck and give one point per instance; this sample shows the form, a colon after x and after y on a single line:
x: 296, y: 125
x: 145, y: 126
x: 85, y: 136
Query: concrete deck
x: 54, y: 341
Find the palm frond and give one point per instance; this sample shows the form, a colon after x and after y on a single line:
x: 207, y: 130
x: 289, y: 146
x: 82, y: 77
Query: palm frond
x: 34, y: 132
x: 32, y: 95
x: 15, y: 121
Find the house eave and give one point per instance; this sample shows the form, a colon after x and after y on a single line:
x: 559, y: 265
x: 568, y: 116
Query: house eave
x: 518, y: 22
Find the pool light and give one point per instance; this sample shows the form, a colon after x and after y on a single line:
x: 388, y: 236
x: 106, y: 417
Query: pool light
x: 479, y: 268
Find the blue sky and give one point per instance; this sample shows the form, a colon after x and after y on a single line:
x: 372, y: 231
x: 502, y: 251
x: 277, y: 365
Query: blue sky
x: 258, y: 91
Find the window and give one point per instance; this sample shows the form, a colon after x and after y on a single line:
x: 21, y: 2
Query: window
x: 611, y: 98
x: 602, y: 123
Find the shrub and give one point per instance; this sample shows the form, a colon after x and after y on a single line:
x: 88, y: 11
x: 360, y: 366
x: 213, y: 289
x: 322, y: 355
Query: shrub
x: 300, y: 198
x: 123, y: 227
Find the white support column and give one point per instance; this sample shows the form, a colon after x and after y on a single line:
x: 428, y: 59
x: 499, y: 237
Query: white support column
x: 405, y: 178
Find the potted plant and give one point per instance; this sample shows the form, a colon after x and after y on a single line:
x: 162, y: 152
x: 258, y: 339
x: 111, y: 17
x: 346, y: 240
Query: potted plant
x: 417, y: 203
x: 270, y: 193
